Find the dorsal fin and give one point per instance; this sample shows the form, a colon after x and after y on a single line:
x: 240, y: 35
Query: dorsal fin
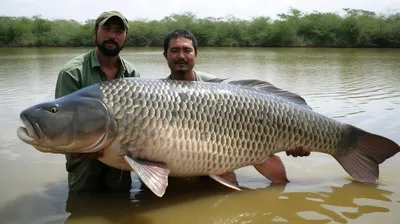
x: 268, y: 87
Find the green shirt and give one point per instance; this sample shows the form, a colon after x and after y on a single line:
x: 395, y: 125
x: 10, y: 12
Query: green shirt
x: 84, y: 70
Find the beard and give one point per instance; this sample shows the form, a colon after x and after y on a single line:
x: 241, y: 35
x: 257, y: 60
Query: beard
x: 107, y: 51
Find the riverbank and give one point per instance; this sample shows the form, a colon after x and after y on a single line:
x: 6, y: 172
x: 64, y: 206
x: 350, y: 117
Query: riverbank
x: 348, y: 29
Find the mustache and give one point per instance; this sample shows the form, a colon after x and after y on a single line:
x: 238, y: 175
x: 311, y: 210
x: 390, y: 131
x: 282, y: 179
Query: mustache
x: 110, y: 41
x: 181, y: 61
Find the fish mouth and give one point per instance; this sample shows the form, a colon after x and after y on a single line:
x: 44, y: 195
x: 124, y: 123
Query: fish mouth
x: 29, y: 132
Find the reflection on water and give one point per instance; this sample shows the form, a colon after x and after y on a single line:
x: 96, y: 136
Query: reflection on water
x: 201, y: 200
x: 356, y: 86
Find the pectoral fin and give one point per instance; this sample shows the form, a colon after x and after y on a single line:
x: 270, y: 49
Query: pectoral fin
x: 154, y: 175
x: 273, y: 169
x: 227, y: 179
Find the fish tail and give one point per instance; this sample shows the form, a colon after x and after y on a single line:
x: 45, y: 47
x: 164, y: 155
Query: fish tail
x: 363, y: 153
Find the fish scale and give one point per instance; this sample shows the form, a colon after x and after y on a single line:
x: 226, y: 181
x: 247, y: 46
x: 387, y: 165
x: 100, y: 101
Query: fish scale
x: 261, y: 126
x: 159, y: 128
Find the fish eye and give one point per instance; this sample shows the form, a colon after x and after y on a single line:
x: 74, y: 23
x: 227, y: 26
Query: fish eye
x: 53, y: 109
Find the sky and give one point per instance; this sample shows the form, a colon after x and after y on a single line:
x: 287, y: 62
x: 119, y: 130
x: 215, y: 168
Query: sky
x: 82, y: 10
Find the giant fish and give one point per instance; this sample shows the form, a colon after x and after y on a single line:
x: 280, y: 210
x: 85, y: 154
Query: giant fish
x: 159, y: 128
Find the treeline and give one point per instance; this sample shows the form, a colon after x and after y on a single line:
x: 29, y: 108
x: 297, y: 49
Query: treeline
x: 354, y: 28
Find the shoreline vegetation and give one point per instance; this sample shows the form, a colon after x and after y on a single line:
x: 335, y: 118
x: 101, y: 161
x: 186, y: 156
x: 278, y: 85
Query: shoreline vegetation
x: 355, y: 28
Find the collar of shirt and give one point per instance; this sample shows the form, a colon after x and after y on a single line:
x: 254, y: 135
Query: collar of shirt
x: 94, y: 61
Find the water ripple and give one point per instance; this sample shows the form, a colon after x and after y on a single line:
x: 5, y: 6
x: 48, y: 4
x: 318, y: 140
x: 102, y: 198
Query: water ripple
x: 360, y: 87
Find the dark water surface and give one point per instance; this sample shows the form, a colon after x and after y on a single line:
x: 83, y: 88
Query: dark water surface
x: 356, y: 86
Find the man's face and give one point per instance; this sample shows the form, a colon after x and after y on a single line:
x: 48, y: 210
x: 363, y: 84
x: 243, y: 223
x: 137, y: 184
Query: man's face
x: 180, y: 55
x: 110, y: 37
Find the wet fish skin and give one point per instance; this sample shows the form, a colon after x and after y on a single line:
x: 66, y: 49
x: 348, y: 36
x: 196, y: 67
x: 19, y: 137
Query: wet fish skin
x: 211, y: 128
x: 178, y: 128
x: 202, y: 129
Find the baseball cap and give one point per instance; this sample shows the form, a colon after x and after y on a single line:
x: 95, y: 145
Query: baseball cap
x: 103, y: 17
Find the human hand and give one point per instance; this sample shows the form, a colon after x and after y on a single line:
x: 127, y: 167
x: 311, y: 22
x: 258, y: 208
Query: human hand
x: 297, y: 152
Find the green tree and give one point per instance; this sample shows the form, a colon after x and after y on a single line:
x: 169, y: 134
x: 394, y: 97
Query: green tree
x: 356, y: 28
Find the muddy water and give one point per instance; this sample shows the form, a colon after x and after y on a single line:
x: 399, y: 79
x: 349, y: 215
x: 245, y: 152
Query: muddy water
x: 356, y: 86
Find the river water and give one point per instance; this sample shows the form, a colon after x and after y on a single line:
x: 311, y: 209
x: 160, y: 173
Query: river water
x: 357, y: 86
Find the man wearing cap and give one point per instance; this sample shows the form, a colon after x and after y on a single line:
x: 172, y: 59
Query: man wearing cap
x: 85, y: 172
